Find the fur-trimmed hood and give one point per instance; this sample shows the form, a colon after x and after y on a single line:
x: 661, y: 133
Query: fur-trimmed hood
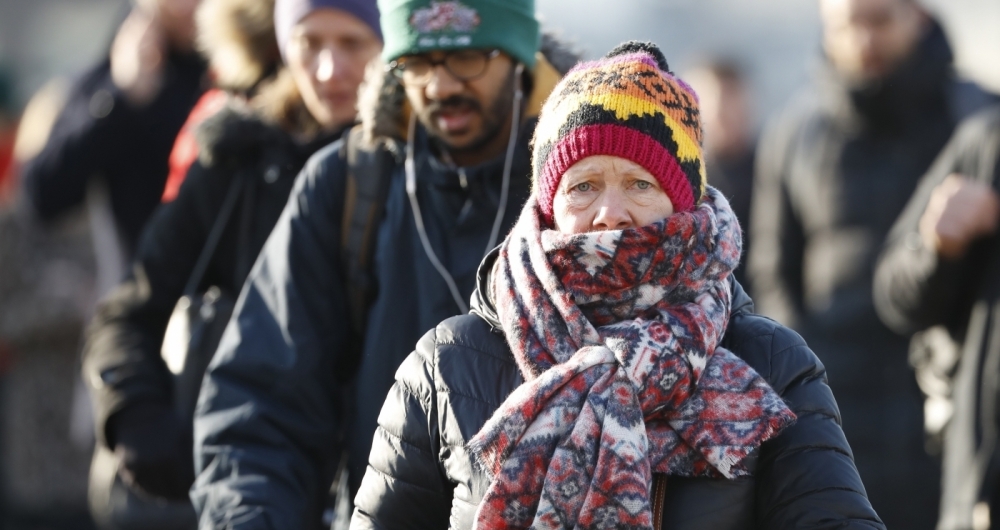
x: 239, y: 134
x: 382, y: 108
x: 237, y: 37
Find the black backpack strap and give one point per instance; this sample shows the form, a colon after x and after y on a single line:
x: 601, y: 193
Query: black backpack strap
x: 369, y: 171
x: 218, y: 227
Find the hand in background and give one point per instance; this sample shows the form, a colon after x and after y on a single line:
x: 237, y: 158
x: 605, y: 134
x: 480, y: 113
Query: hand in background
x: 960, y: 210
x: 137, y: 58
x: 154, y: 451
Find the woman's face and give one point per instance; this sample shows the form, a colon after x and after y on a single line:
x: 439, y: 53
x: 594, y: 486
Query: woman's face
x: 327, y: 55
x: 608, y: 193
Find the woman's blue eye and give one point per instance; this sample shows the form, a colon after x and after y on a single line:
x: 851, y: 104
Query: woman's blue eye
x: 585, y: 186
x: 643, y: 185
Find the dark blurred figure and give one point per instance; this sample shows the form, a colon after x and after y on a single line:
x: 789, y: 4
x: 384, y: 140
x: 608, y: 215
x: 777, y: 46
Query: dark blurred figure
x: 727, y: 118
x: 46, y: 295
x: 834, y: 172
x: 941, y: 267
x: 248, y: 155
x: 8, y: 133
x: 120, y: 120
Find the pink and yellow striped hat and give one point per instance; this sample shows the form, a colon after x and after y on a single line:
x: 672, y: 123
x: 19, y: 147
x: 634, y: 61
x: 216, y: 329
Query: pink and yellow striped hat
x: 630, y: 105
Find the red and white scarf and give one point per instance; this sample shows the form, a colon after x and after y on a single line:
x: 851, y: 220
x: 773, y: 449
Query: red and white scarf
x: 617, y: 335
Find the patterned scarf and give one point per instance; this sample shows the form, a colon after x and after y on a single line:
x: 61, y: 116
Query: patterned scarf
x: 617, y: 335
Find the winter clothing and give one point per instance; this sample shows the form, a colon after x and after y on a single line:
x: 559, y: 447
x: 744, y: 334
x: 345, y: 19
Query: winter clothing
x: 185, y: 151
x: 916, y: 289
x: 288, y: 350
x: 122, y: 353
x: 237, y: 37
x: 99, y: 133
x: 288, y: 13
x: 628, y: 105
x: 421, y: 474
x: 413, y: 27
x: 627, y: 354
x: 833, y: 174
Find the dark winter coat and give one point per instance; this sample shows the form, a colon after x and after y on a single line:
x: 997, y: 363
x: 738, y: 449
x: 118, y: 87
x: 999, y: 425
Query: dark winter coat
x: 733, y: 176
x: 833, y: 174
x: 100, y: 134
x: 122, y: 360
x: 275, y: 412
x: 915, y: 289
x: 421, y: 475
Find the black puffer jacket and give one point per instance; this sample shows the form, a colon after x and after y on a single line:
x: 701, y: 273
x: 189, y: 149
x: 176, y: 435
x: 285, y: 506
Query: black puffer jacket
x: 421, y: 476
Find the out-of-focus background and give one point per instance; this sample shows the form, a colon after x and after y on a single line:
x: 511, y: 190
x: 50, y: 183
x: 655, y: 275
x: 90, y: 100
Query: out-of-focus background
x: 777, y: 39
x: 45, y: 447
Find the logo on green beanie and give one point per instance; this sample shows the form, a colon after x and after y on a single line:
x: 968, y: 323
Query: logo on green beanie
x: 445, y: 16
x: 419, y: 26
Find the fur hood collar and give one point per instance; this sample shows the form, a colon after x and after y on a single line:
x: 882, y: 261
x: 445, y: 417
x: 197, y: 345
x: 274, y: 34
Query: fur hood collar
x: 237, y: 37
x: 236, y: 135
x: 382, y: 107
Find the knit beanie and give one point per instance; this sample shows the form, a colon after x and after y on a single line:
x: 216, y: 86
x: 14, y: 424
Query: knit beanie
x: 288, y: 13
x: 629, y: 105
x: 418, y: 26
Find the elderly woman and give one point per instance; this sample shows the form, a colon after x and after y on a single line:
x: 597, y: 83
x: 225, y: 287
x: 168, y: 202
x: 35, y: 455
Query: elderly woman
x: 612, y: 374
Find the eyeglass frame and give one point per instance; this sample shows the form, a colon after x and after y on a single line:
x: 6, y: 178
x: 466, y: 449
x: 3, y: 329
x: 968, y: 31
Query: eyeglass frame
x: 397, y: 67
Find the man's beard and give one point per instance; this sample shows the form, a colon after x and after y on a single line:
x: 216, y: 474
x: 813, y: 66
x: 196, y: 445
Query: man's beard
x: 493, y: 121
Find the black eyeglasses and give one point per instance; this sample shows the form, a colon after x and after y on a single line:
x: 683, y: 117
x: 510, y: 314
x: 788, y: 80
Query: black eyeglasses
x: 464, y: 65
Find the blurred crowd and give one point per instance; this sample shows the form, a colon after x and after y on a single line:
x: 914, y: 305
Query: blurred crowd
x: 307, y: 169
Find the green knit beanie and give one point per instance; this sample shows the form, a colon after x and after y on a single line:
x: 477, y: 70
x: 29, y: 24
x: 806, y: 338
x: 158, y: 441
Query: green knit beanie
x: 418, y: 26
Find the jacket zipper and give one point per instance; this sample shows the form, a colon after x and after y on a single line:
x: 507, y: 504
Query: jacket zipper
x: 659, y: 498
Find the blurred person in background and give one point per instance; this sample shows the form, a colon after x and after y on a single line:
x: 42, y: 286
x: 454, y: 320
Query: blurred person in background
x: 428, y: 182
x: 255, y: 145
x: 730, y: 138
x: 833, y: 173
x: 47, y: 292
x: 8, y: 135
x: 941, y: 267
x: 120, y: 121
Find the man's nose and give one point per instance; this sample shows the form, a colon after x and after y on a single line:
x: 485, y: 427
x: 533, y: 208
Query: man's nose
x: 442, y: 84
x: 612, y: 213
x: 326, y: 66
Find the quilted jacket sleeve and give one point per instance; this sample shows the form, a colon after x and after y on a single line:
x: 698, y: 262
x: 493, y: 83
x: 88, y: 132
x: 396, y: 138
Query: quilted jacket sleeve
x: 404, y: 486
x: 806, y: 476
x: 269, y: 413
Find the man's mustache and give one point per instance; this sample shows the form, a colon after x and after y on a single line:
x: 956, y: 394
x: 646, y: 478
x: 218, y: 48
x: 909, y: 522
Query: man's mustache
x: 454, y: 103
